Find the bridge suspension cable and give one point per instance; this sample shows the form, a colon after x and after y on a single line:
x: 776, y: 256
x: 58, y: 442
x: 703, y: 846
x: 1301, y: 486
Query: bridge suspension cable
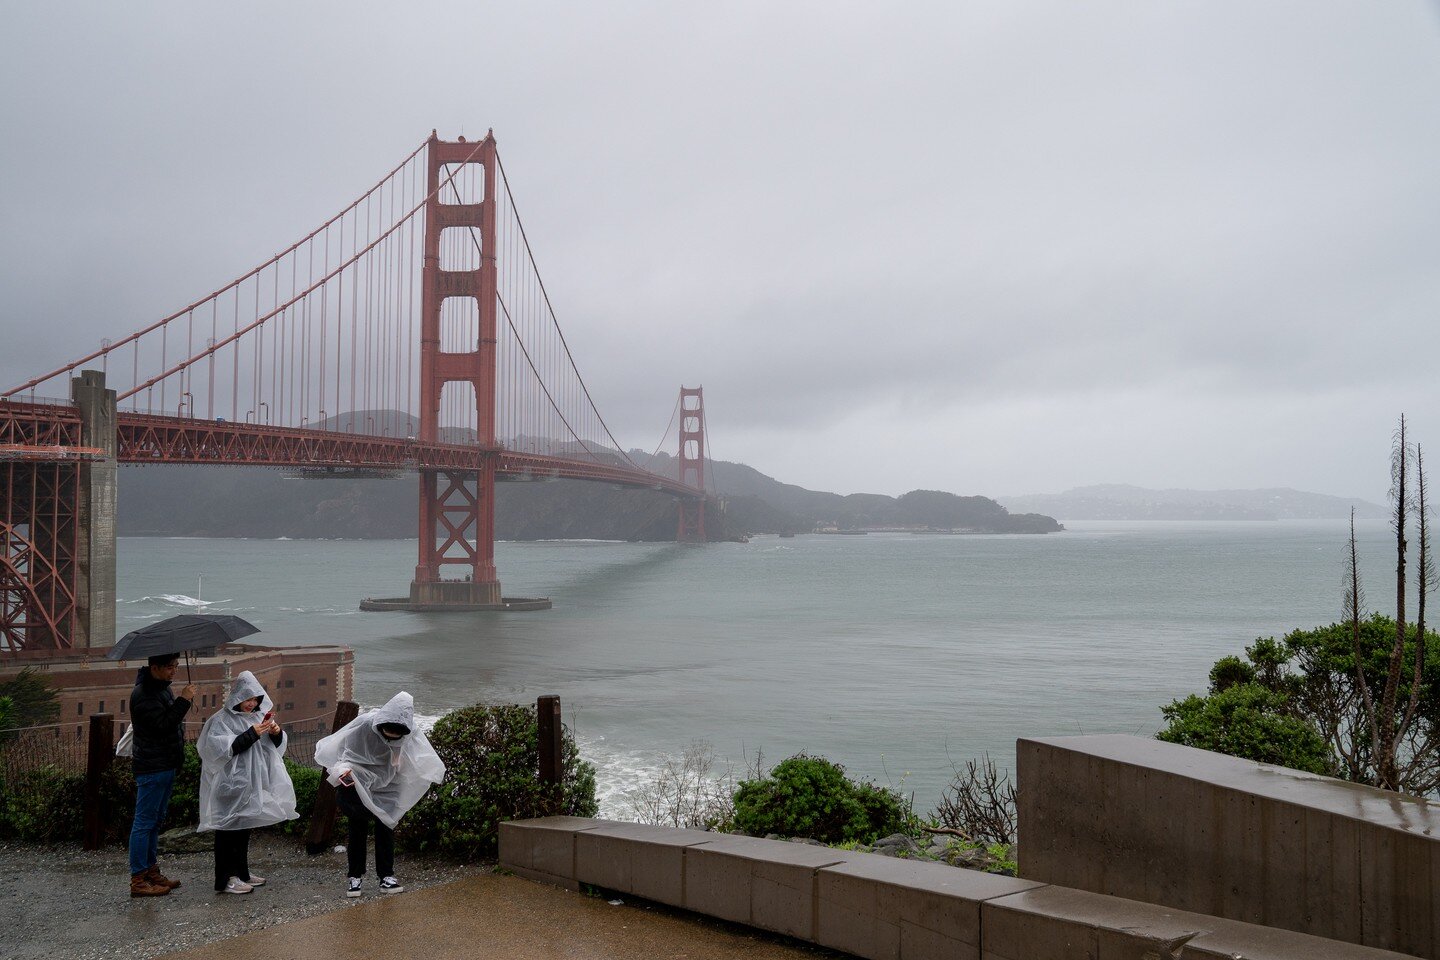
x: 323, y: 334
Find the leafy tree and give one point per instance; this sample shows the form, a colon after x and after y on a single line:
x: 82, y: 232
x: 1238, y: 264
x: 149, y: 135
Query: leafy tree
x: 1297, y: 702
x: 1365, y: 687
x: 33, y: 702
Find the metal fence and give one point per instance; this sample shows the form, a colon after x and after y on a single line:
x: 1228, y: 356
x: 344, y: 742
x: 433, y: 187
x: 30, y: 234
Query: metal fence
x: 62, y: 748
x: 55, y: 746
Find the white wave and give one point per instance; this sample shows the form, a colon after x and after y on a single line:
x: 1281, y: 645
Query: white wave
x: 177, y: 600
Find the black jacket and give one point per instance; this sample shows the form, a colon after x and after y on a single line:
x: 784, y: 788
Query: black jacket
x: 158, y: 717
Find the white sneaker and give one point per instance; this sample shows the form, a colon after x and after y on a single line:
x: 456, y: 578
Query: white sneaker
x: 236, y: 885
x: 391, y: 885
x: 354, y: 889
x: 255, y: 881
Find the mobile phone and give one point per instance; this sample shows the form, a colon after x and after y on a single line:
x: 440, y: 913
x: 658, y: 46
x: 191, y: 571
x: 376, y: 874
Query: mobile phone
x: 268, y: 715
x: 347, y: 779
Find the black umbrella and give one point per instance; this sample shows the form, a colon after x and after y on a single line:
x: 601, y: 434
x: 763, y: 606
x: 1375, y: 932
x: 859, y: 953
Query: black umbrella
x: 188, y: 631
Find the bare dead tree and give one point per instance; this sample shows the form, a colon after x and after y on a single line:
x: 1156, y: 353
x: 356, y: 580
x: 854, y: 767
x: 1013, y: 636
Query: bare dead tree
x: 979, y: 804
x: 687, y: 791
x: 1354, y: 604
x: 1425, y: 574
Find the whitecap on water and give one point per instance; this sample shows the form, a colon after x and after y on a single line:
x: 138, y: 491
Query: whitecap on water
x: 177, y: 600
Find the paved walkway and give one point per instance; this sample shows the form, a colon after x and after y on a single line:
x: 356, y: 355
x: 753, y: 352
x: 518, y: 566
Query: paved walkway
x: 502, y: 916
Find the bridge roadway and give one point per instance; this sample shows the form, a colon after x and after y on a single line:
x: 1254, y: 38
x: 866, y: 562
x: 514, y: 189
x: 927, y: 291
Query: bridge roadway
x: 51, y: 431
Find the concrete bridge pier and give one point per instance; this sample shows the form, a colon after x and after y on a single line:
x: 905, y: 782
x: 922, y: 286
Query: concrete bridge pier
x: 97, y: 496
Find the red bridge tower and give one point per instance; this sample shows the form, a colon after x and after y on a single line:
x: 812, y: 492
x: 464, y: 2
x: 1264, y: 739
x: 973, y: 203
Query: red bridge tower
x: 692, y: 464
x: 457, y: 508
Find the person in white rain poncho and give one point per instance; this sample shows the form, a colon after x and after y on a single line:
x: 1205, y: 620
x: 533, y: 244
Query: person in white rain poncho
x: 243, y: 780
x: 381, y: 766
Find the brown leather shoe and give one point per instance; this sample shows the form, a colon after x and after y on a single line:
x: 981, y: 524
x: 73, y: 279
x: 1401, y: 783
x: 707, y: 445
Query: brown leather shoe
x: 160, y: 880
x: 140, y: 886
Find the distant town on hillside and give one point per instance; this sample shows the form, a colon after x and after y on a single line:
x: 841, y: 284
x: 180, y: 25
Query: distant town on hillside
x: 1122, y: 502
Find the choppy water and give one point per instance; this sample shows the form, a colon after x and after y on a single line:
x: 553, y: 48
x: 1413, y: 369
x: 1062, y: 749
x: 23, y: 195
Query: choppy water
x: 893, y: 654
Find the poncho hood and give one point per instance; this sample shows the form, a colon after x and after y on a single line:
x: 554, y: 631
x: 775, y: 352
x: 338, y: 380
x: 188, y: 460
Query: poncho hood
x: 245, y: 688
x: 399, y: 711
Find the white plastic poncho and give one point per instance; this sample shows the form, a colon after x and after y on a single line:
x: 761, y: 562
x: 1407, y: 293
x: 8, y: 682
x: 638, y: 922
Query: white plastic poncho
x: 390, y: 775
x: 241, y: 791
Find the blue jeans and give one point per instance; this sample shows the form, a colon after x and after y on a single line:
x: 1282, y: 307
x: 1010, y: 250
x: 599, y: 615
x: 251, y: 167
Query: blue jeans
x: 152, y: 800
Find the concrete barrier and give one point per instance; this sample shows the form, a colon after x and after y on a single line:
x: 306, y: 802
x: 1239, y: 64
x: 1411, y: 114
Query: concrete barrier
x: 1198, y: 831
x: 883, y: 908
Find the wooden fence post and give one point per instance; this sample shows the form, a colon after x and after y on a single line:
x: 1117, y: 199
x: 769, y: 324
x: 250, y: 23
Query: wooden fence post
x: 322, y: 815
x: 97, y: 764
x: 552, y: 775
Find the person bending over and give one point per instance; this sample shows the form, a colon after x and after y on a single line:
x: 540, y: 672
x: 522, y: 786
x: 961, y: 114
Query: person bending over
x: 381, y: 766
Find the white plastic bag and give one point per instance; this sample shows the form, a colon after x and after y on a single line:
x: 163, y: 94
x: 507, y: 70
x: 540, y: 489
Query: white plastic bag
x: 127, y: 742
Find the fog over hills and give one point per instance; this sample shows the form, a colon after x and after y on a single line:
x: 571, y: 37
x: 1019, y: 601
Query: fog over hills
x: 1122, y: 502
x: 221, y: 501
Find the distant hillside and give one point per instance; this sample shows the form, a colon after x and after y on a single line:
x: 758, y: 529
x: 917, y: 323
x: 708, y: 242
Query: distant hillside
x: 1122, y: 502
x: 266, y: 503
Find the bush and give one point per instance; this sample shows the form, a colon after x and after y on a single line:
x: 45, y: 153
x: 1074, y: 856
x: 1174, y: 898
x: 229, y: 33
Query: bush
x: 307, y: 784
x: 492, y: 763
x: 118, y: 788
x: 811, y: 797
x: 45, y: 805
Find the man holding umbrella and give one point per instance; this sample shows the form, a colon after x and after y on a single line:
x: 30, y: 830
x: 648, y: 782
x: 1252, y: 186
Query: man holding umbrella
x: 157, y: 725
x: 157, y: 718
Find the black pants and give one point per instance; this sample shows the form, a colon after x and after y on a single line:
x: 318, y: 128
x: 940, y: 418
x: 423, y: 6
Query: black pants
x: 232, y: 856
x: 360, y: 819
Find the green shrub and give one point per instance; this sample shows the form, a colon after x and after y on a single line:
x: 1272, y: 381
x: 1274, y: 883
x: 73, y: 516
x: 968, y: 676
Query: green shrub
x: 812, y: 797
x: 492, y: 761
x: 185, y: 798
x: 118, y: 789
x: 307, y: 782
x: 45, y: 805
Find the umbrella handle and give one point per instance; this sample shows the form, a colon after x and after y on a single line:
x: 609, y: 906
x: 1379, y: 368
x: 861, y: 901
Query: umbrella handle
x: 188, y: 678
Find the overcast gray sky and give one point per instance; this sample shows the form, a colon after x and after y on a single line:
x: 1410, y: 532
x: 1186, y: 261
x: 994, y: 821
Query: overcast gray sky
x: 1001, y: 247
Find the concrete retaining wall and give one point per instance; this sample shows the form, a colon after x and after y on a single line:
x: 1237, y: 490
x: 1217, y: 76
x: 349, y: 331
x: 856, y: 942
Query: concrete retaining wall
x: 1137, y: 818
x: 883, y: 908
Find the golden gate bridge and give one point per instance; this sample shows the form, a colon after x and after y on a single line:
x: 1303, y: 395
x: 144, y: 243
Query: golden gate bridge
x: 410, y: 331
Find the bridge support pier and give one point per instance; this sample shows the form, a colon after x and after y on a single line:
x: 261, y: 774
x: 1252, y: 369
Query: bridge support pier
x: 96, y: 499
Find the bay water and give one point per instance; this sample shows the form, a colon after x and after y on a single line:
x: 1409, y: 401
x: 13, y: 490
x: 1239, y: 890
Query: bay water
x: 898, y: 655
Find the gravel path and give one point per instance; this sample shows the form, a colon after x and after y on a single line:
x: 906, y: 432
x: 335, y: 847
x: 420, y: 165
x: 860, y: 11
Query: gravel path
x: 64, y: 902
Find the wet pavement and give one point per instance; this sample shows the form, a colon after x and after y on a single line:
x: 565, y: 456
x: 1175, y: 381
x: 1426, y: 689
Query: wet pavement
x: 497, y: 915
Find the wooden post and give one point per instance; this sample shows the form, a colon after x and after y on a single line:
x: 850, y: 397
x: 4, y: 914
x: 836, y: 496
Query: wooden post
x: 97, y: 763
x: 547, y: 712
x: 322, y: 816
